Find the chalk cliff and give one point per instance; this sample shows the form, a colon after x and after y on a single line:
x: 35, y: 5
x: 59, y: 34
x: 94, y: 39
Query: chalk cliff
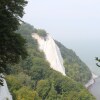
x: 51, y: 51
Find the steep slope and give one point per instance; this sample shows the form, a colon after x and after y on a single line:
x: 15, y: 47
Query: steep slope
x: 74, y: 67
x: 52, y: 52
x: 33, y: 78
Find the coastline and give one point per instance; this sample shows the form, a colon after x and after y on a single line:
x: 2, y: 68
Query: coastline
x: 91, y: 81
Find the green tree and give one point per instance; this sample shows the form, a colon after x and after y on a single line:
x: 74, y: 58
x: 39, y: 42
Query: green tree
x: 41, y: 32
x: 12, y: 45
x: 25, y: 93
x: 98, y: 60
x: 43, y: 88
x: 52, y: 95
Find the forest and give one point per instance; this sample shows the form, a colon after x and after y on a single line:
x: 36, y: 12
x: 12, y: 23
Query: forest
x: 33, y: 77
x: 74, y: 67
x: 27, y: 72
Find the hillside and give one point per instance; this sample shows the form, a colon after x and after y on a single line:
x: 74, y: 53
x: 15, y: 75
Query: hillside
x: 74, y: 67
x: 33, y: 79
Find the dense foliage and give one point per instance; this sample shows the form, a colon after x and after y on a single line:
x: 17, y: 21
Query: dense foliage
x: 33, y: 79
x: 41, y: 32
x: 12, y: 45
x: 98, y: 61
x: 74, y: 67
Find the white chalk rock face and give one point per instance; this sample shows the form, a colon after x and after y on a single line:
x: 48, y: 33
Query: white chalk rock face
x: 51, y: 51
x: 4, y: 92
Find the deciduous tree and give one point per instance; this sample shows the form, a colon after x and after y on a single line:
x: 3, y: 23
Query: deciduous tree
x: 12, y: 45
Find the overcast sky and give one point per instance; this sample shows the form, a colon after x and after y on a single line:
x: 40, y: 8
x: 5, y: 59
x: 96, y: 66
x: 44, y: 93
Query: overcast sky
x: 75, y: 23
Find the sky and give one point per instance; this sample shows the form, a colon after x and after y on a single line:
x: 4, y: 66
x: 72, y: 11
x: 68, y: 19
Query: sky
x: 75, y: 23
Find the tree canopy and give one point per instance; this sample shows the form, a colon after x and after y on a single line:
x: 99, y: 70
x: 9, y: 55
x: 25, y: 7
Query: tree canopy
x: 75, y: 68
x: 98, y: 60
x: 33, y: 79
x: 12, y: 45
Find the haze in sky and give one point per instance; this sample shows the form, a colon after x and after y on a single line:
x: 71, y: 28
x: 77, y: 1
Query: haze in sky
x: 75, y: 23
